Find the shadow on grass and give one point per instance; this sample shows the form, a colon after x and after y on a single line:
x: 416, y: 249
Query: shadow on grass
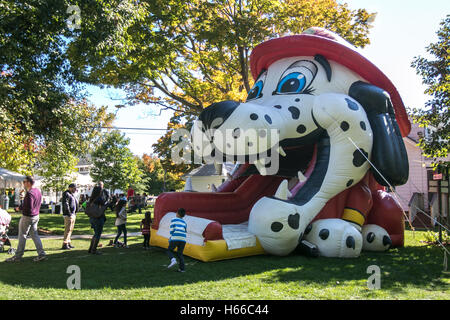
x: 419, y: 267
x: 53, y: 224
x: 132, y: 268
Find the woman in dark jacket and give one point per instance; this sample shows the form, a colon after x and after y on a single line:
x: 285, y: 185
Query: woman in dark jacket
x: 99, y: 196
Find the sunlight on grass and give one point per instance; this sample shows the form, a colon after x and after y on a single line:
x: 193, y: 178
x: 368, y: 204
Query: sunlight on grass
x: 412, y: 272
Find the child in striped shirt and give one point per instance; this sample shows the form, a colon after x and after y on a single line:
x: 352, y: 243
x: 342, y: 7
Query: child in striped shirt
x: 178, y: 229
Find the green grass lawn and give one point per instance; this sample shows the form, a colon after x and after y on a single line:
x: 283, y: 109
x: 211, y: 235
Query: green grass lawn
x: 412, y: 272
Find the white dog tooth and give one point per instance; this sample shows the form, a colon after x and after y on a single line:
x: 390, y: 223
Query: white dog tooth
x: 281, y: 151
x: 301, y: 177
x: 283, y: 191
x: 264, y: 161
x: 260, y: 167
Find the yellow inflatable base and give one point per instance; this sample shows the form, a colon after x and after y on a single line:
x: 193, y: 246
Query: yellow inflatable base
x: 212, y: 250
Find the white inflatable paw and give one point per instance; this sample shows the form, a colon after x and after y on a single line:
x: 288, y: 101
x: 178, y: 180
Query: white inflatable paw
x: 375, y: 238
x: 335, y: 238
x: 276, y: 224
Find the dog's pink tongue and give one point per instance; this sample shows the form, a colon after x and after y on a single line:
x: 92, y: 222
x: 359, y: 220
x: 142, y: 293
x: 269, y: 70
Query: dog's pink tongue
x: 308, y: 172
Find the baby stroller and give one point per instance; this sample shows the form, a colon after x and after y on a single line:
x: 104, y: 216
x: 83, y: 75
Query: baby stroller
x: 5, y: 220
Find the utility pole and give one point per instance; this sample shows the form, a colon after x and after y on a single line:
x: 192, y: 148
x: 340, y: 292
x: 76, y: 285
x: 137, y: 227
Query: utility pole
x: 440, y: 209
x: 442, y: 188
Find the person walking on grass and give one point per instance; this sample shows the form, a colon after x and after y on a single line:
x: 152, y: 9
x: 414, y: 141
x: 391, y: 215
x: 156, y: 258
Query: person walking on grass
x: 178, y: 230
x: 70, y: 207
x: 100, y: 197
x: 121, y: 222
x: 29, y: 221
x: 145, y: 229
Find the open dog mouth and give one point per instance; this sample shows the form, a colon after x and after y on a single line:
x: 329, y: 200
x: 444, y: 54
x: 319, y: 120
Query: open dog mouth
x: 220, y: 137
x: 303, y: 163
x: 305, y: 167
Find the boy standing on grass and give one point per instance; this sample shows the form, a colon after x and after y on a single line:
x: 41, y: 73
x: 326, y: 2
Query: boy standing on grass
x: 178, y: 229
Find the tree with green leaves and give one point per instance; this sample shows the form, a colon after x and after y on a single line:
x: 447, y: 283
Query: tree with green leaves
x: 114, y: 163
x: 41, y: 102
x: 186, y: 55
x: 158, y: 179
x: 57, y: 167
x: 435, y: 73
x: 173, y: 54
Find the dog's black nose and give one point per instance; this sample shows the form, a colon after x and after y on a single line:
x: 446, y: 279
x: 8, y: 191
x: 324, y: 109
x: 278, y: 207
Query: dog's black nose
x: 217, y: 113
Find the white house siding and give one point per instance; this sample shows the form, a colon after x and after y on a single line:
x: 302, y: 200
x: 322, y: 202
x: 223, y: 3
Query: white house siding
x: 417, y: 181
x: 201, y: 183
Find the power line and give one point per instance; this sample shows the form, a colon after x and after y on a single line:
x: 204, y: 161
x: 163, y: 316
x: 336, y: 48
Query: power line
x: 130, y: 128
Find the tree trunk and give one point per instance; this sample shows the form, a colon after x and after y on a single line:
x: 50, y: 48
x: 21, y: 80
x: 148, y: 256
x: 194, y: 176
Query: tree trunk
x: 244, y: 68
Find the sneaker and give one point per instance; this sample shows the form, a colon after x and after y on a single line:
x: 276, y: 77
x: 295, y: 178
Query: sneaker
x: 66, y: 247
x: 40, y: 258
x: 179, y: 270
x: 13, y: 259
x: 71, y: 246
x: 172, y: 263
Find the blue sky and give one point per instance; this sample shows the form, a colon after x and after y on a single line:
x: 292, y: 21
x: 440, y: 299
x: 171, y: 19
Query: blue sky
x: 402, y: 29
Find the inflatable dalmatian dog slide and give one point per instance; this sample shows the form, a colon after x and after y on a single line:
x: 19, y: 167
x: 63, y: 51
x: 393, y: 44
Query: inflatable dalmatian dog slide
x: 339, y: 123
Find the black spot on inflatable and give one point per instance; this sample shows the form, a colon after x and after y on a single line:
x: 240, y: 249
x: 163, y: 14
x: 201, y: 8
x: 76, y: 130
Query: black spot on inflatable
x: 276, y: 226
x: 236, y: 133
x: 350, y: 242
x: 344, y: 125
x: 363, y: 125
x: 308, y: 229
x: 277, y: 106
x: 370, y: 237
x: 294, y: 221
x: 359, y: 158
x: 254, y: 116
x: 301, y: 129
x: 387, y: 241
x: 351, y: 105
x: 294, y: 112
x: 297, y: 99
x: 349, y: 182
x: 268, y: 119
x: 324, y: 233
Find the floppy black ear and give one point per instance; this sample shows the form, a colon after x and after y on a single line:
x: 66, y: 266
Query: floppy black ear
x: 388, y: 152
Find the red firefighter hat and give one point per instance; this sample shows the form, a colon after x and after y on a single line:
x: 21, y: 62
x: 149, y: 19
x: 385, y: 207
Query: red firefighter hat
x: 330, y: 45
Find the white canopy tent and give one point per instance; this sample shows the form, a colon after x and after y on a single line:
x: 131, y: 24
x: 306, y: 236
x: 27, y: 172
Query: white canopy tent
x: 10, y: 179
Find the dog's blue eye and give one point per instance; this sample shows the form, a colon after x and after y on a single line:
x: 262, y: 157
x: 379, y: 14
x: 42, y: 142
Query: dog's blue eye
x: 292, y: 83
x: 256, y: 91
